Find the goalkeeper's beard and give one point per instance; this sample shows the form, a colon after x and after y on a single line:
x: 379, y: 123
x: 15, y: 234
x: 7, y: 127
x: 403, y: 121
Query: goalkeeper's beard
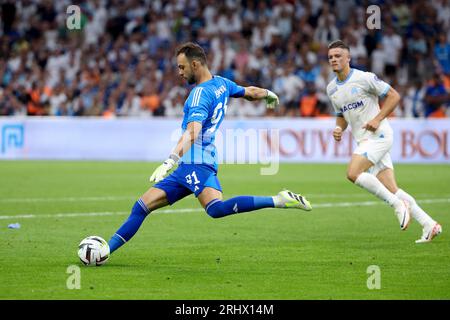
x: 191, y: 79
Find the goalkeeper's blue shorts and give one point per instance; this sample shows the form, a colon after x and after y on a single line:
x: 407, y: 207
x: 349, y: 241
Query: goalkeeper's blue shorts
x: 188, y: 179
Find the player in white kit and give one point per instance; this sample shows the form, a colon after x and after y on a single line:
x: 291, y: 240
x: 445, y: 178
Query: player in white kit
x: 354, y: 95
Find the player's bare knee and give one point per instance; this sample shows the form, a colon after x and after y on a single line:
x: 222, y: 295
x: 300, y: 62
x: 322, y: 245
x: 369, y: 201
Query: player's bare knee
x: 352, y: 175
x: 154, y: 199
x: 148, y: 200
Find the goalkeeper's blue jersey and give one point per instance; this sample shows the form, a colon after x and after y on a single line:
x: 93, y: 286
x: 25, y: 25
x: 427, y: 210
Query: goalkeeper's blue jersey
x: 207, y: 103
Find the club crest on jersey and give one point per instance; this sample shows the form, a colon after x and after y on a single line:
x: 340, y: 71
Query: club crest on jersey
x: 355, y: 90
x: 352, y: 106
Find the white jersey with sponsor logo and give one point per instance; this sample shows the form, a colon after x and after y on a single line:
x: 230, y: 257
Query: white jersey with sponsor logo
x: 356, y: 99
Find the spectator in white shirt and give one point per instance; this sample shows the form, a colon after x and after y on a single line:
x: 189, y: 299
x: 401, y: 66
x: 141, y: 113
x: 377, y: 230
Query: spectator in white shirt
x: 392, y: 46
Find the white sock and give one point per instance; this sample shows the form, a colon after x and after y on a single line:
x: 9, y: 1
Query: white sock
x: 421, y: 216
x: 374, y: 186
x: 276, y: 201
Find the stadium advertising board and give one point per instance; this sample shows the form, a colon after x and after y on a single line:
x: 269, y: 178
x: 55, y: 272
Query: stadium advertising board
x: 239, y: 141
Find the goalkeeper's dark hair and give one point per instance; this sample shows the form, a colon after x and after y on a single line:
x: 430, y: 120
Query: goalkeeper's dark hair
x: 338, y: 44
x: 192, y: 51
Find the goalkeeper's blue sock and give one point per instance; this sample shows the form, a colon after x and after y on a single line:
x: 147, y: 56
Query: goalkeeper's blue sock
x: 129, y: 228
x: 218, y: 209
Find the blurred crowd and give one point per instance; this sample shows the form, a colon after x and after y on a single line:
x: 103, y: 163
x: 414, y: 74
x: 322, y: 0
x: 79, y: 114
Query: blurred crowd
x: 120, y: 61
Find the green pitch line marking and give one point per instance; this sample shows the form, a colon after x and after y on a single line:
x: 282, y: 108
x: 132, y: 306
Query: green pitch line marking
x: 67, y: 199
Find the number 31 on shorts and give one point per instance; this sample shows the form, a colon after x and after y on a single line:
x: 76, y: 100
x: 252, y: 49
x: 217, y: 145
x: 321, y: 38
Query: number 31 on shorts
x: 191, y: 176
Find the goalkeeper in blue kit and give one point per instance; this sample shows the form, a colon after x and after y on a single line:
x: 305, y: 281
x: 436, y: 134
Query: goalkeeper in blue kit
x: 195, y: 152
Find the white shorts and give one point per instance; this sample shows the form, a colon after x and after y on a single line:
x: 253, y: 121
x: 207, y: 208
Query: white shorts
x: 376, y: 151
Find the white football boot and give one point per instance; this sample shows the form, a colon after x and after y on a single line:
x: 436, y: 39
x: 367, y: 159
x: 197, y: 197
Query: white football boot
x: 429, y: 232
x: 403, y: 215
x: 288, y: 199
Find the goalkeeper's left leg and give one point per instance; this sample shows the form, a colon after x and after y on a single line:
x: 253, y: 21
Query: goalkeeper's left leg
x: 217, y: 208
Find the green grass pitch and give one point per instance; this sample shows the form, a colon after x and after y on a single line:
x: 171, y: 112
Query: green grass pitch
x: 185, y: 254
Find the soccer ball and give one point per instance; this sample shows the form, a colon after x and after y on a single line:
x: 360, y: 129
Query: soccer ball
x: 93, y: 251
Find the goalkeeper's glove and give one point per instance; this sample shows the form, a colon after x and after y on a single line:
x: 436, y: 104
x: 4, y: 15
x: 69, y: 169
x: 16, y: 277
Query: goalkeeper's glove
x: 271, y: 100
x: 163, y: 169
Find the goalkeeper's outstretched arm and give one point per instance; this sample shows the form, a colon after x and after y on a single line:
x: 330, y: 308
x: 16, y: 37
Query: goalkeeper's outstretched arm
x: 256, y: 93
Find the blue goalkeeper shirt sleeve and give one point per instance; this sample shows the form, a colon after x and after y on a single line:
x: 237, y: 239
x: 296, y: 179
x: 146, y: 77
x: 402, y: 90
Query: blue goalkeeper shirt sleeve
x: 236, y: 91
